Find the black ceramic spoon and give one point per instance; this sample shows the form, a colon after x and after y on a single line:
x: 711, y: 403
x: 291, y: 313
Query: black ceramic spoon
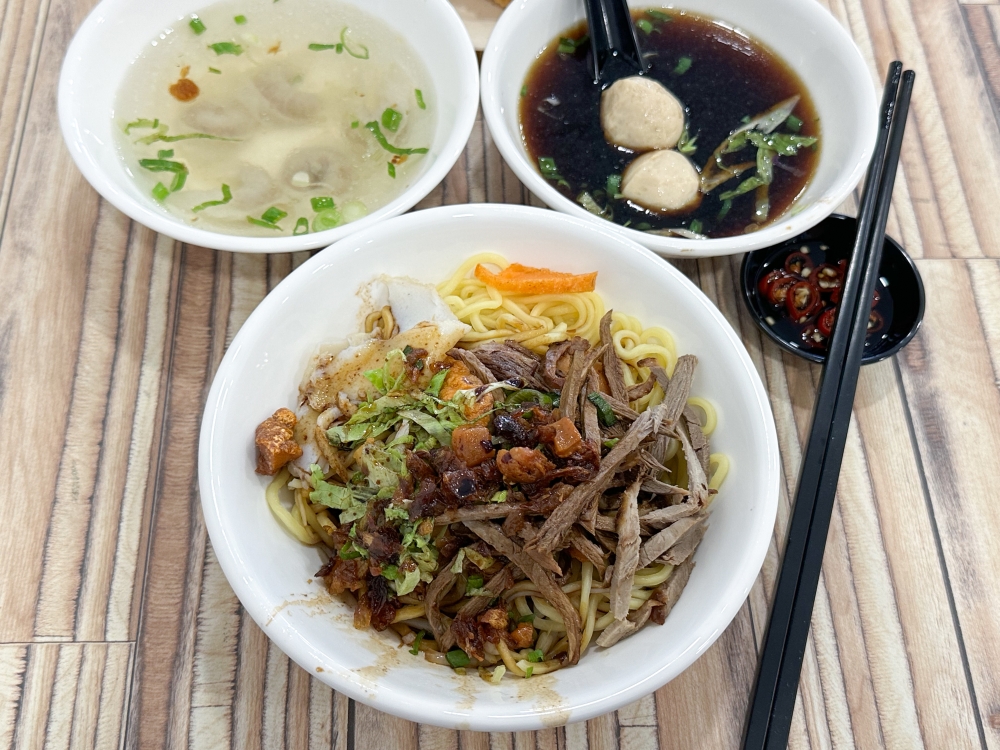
x: 614, y: 43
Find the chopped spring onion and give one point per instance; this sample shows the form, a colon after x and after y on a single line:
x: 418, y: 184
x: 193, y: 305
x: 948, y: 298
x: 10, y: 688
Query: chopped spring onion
x: 265, y: 224
x: 794, y: 123
x: 535, y: 656
x: 273, y: 215
x: 524, y: 91
x: 586, y: 200
x: 355, y: 124
x: 301, y: 226
x: 644, y: 25
x: 141, y: 123
x: 499, y: 497
x: 695, y: 226
x: 391, y: 119
x: 416, y: 643
x: 321, y: 203
x: 164, y: 165
x: 328, y: 219
x: 683, y: 66
x: 240, y: 19
x: 614, y: 186
x: 547, y: 166
x: 214, y: 70
x: 473, y: 583
x: 605, y: 414
x: 380, y: 137
x: 420, y: 98
x: 726, y: 205
x: 527, y: 618
x: 160, y: 192
x: 226, y: 48
x: 659, y: 16
x: 457, y: 658
x: 226, y: 197
x: 161, y: 135
x: 165, y: 153
x: 323, y: 47
x: 686, y: 144
x: 610, y: 442
x: 392, y: 169
x: 197, y: 25
x: 528, y: 672
x: 361, y: 53
x: 569, y: 46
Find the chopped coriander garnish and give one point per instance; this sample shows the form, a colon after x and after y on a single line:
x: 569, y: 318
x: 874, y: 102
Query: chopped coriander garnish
x: 528, y: 672
x: 391, y: 119
x: 273, y: 215
x: 420, y: 98
x: 226, y: 48
x: 695, y: 226
x: 321, y: 203
x: 644, y: 25
x: 327, y: 219
x: 226, y: 197
x: 457, y: 658
x: 527, y: 618
x: 473, y: 583
x: 214, y: 70
x: 380, y: 137
x: 142, y: 123
x: 569, y: 46
x: 240, y: 19
x: 535, y: 656
x: 683, y: 66
x: 794, y: 123
x: 391, y: 170
x: 160, y: 192
x: 416, y: 643
x: 165, y: 153
x: 301, y: 226
x: 197, y: 25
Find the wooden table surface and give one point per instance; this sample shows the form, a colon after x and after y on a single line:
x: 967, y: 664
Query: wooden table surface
x: 117, y: 626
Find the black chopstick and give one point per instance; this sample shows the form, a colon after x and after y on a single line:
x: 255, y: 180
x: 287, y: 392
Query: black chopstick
x: 771, y: 709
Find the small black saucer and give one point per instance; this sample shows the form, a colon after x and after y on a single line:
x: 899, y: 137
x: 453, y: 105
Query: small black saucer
x: 836, y: 236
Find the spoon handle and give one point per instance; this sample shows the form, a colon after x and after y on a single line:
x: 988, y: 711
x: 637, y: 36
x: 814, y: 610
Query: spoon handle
x: 613, y: 41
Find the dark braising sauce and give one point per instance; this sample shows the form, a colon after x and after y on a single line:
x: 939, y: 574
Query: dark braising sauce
x: 720, y: 76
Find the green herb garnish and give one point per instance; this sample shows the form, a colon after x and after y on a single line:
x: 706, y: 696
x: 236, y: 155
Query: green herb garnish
x: 610, y: 442
x: 528, y: 672
x: 160, y: 192
x: 226, y: 197
x: 547, y: 166
x: 321, y: 203
x: 197, y: 25
x: 794, y: 123
x: 380, y: 137
x: 726, y: 205
x: 329, y: 218
x: 659, y: 16
x: 226, y: 48
x: 240, y: 19
x: 457, y: 658
x: 527, y: 618
x: 499, y: 496
x: 614, y: 186
x: 695, y: 226
x: 164, y: 165
x: 644, y: 25
x: 273, y: 215
x: 420, y: 98
x: 391, y: 169
x: 360, y: 53
x: 605, y: 414
x: 569, y: 46
x: 683, y: 66
x: 165, y: 153
x: 416, y: 643
x: 141, y: 123
x: 473, y: 583
x: 301, y: 226
x: 391, y: 119
x: 355, y: 124
x: 535, y: 656
x: 214, y: 70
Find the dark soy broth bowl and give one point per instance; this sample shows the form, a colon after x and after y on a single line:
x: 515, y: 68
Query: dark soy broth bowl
x: 834, y: 238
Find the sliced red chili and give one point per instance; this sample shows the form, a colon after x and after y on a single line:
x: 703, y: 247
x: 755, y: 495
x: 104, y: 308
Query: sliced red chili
x: 799, y: 264
x: 778, y: 290
x: 826, y: 321
x: 803, y: 301
x: 828, y: 278
x: 875, y: 322
x: 766, y: 281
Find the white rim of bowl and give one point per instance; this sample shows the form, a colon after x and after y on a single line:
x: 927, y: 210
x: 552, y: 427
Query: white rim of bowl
x: 678, y: 247
x: 260, y: 606
x: 172, y: 227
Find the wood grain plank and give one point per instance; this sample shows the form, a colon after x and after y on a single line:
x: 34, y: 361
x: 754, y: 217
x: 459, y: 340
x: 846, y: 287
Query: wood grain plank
x: 957, y: 426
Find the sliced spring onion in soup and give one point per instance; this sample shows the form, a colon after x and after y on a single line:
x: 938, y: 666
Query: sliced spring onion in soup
x: 658, y: 15
x: 391, y: 119
x: 197, y: 25
x: 360, y: 51
x: 793, y: 123
x: 391, y: 169
x: 327, y: 219
x: 240, y: 19
x: 644, y: 26
x: 214, y: 70
x: 301, y: 226
x: 165, y: 165
x: 384, y: 143
x: 683, y: 66
x: 420, y: 98
x: 226, y: 197
x: 586, y: 200
x: 321, y: 203
x: 165, y: 153
x: 547, y: 166
x: 226, y: 48
x: 160, y: 192
x: 141, y: 123
x: 569, y: 46
x: 274, y: 215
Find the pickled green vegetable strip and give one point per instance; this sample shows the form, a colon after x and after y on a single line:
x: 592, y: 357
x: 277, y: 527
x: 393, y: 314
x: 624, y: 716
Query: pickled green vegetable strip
x: 301, y: 226
x: 355, y: 124
x: 420, y: 98
x: 392, y: 169
x: 226, y: 48
x: 141, y: 123
x: 273, y: 215
x: 322, y: 202
x: 197, y: 25
x: 165, y: 153
x: 380, y: 137
x: 644, y: 25
x: 683, y: 66
x: 240, y: 19
x: 265, y: 224
x: 226, y: 197
x: 214, y: 70
x: 160, y: 192
x: 391, y: 119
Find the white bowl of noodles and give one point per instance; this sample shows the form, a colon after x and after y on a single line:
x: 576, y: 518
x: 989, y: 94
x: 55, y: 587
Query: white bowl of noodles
x: 273, y: 573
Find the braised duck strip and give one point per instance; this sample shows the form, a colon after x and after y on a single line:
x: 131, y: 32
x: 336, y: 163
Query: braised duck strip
x: 660, y: 542
x: 579, y: 370
x: 504, y: 579
x: 440, y: 586
x: 658, y: 606
x: 687, y: 544
x: 613, y: 369
x: 511, y: 360
x: 627, y: 554
x: 475, y: 365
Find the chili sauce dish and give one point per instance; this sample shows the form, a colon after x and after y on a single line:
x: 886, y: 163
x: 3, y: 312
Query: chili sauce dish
x: 259, y: 126
x: 749, y: 124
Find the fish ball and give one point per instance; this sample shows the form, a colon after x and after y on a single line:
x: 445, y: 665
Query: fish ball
x: 641, y: 114
x: 662, y: 181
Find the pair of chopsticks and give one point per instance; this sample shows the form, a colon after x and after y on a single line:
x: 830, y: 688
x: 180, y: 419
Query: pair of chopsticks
x: 773, y: 702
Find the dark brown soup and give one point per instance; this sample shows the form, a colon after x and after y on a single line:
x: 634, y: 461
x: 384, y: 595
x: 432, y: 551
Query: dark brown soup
x: 722, y: 78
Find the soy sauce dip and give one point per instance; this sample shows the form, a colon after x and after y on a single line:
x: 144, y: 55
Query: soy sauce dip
x: 815, y: 274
